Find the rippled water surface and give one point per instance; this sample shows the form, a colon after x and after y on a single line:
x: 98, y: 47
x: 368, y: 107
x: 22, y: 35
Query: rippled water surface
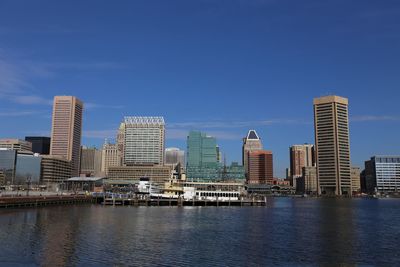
x: 289, y: 232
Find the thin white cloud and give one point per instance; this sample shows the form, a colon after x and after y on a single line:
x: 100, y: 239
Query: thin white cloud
x: 100, y: 134
x: 83, y: 65
x: 171, y: 134
x: 371, y: 118
x: 31, y: 100
x: 176, y: 134
x: 38, y: 133
x: 235, y: 124
x: 181, y: 134
x: 16, y: 77
x: 19, y: 113
x: 11, y: 79
x: 89, y: 105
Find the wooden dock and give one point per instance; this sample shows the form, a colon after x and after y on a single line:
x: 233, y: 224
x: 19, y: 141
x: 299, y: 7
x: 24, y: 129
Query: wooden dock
x: 181, y: 202
x: 38, y: 201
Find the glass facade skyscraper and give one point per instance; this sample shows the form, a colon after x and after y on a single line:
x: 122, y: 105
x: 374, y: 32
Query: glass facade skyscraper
x: 202, y: 163
x: 383, y: 174
x: 8, y: 159
x: 18, y: 168
x: 28, y: 167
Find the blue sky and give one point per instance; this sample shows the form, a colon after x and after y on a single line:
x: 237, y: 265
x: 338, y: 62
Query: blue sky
x: 222, y: 67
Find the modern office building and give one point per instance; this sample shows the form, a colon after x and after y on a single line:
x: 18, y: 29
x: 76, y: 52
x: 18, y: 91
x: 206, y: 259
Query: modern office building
x: 300, y: 156
x: 157, y: 174
x: 355, y: 180
x: 28, y: 169
x: 55, y: 170
x: 8, y: 160
x: 174, y: 156
x: 260, y: 167
x: 251, y: 142
x: 332, y: 147
x: 21, y: 168
x: 91, y: 161
x: 40, y: 144
x: 382, y: 174
x: 233, y: 172
x: 110, y: 157
x: 66, y: 131
x: 144, y: 140
x: 202, y: 163
x: 15, y: 144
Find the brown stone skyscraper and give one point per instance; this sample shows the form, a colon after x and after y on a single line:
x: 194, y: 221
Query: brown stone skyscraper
x: 260, y: 167
x: 331, y: 122
x: 66, y: 131
x: 250, y: 143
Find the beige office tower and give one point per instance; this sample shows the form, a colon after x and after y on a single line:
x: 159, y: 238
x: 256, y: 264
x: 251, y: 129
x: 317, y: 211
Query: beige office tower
x: 250, y: 143
x: 300, y: 156
x: 91, y: 160
x: 331, y: 124
x: 66, y: 131
x: 110, y: 157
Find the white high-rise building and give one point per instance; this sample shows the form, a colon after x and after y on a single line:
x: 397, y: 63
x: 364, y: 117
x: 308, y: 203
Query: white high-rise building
x: 144, y: 140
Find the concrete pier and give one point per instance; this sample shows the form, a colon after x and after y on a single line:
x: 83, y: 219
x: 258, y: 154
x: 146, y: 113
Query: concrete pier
x: 37, y: 201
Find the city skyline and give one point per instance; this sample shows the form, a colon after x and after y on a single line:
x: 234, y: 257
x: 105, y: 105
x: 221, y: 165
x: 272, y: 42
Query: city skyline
x: 280, y: 172
x: 202, y: 52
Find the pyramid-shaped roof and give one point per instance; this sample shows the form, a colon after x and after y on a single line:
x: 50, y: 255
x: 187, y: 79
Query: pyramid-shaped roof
x: 252, y: 135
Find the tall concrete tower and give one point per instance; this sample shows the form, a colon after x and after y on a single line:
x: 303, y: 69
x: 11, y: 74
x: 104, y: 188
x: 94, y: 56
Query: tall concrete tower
x: 66, y: 131
x: 331, y: 123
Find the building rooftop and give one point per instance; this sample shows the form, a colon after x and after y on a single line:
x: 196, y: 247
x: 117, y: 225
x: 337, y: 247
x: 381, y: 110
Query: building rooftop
x: 331, y: 99
x: 144, y: 120
x: 252, y: 135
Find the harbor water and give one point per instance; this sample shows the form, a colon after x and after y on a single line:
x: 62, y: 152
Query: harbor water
x: 287, y: 232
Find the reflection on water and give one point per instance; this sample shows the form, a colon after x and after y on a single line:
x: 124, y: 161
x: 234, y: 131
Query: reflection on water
x: 336, y: 233
x: 289, y: 232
